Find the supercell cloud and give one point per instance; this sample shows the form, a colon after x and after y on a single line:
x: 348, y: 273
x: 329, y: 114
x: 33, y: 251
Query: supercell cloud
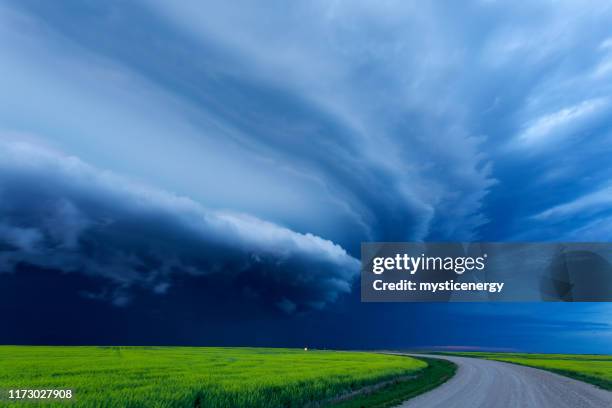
x: 251, y: 149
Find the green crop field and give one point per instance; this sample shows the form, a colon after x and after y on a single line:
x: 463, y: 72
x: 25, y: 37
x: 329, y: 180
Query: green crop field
x: 192, y: 377
x: 592, y: 368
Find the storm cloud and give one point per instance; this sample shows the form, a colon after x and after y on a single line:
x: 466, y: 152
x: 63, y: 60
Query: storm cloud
x: 165, y: 154
x: 58, y: 212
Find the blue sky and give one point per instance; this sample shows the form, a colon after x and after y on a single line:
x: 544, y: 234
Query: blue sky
x: 268, y: 142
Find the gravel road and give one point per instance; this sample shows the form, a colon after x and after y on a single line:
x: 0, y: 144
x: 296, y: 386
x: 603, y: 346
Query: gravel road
x: 493, y: 384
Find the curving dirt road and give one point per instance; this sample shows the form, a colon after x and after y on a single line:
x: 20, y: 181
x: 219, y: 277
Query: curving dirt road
x: 493, y: 384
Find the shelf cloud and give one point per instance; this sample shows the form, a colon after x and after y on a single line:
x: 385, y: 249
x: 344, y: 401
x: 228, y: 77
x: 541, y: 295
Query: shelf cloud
x: 58, y: 212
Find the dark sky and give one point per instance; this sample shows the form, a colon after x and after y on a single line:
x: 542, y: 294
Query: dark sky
x: 204, y: 173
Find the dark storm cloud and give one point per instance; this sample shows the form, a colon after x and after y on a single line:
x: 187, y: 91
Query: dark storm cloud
x: 58, y: 212
x: 349, y: 120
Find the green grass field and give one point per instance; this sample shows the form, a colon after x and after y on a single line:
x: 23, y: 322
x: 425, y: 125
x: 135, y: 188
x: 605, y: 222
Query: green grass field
x: 591, y: 368
x: 192, y: 377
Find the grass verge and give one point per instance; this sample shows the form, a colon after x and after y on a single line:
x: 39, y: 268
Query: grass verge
x: 436, y: 373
